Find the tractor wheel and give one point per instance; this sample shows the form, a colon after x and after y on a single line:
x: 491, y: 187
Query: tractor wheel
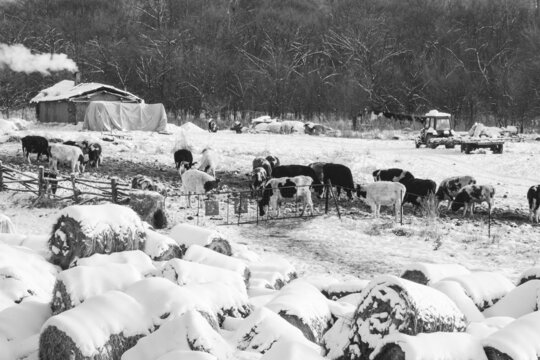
x: 468, y: 149
x: 450, y: 146
x: 429, y: 144
x: 417, y: 143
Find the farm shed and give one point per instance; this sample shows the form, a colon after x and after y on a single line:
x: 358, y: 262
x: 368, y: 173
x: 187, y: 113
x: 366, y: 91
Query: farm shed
x: 67, y: 100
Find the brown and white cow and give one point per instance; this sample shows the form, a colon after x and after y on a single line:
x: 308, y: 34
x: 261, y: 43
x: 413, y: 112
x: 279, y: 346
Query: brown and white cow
x: 473, y: 194
x: 286, y: 188
x: 393, y: 174
x: 449, y: 188
x: 386, y: 193
x: 533, y: 196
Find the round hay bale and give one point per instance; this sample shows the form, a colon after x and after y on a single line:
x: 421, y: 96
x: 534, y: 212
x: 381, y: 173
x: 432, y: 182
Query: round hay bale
x: 136, y: 258
x: 390, y: 304
x: 343, y: 288
x: 84, y: 230
x: 6, y: 226
x: 529, y: 274
x: 336, y: 339
x: 520, y: 301
x: 160, y: 247
x: 274, y: 264
x: 517, y: 340
x: 187, y: 234
x: 426, y: 273
x: 458, y: 295
x: 206, y: 256
x: 150, y: 205
x: 304, y: 307
x: 273, y: 279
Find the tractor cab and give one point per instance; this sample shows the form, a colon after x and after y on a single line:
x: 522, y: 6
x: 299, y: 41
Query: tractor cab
x: 436, y: 125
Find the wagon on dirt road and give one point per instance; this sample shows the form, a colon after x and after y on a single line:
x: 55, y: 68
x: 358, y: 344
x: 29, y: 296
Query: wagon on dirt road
x: 468, y: 145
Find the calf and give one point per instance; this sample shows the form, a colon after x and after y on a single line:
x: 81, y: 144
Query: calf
x: 196, y: 182
x: 278, y: 189
x: 418, y: 190
x: 471, y: 194
x: 208, y: 161
x: 339, y: 176
x: 183, y: 155
x: 260, y: 162
x: 297, y: 170
x: 393, y: 174
x: 533, y: 195
x: 382, y: 193
x: 273, y: 160
x: 94, y: 155
x: 68, y: 154
x: 449, y: 188
x: 35, y: 144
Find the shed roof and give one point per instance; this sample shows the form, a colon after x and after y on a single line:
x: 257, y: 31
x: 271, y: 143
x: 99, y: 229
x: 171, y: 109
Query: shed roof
x: 67, y: 90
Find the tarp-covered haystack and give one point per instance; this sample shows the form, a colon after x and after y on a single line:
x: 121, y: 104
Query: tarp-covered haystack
x: 302, y: 305
x: 24, y: 275
x: 426, y: 273
x: 390, y: 305
x: 186, y: 235
x: 433, y: 346
x: 519, y: 340
x: 111, y: 115
x: 73, y: 286
x: 84, y: 230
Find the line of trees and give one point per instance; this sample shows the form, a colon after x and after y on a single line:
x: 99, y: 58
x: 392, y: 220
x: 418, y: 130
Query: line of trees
x: 306, y: 57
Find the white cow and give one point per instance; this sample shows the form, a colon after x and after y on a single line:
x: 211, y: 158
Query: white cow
x: 196, y: 182
x: 279, y: 189
x: 382, y: 193
x: 67, y: 154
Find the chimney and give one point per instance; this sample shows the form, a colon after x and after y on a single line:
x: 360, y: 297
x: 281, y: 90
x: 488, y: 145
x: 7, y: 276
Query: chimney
x: 77, y: 78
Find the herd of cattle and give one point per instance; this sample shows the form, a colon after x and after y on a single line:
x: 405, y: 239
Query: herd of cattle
x: 275, y: 182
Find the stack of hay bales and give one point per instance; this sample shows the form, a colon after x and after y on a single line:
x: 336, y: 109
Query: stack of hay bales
x: 186, y: 235
x: 161, y: 247
x: 150, y: 205
x: 304, y: 307
x: 84, y: 230
x: 24, y: 276
x: 390, y: 304
x: 73, y: 286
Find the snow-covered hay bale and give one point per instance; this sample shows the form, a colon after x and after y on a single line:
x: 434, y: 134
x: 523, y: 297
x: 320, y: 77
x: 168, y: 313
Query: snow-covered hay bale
x: 302, y: 305
x: 23, y: 320
x: 391, y: 304
x: 184, y: 272
x: 223, y: 299
x: 343, y: 288
x: 433, y: 346
x: 206, y: 256
x: 24, y: 275
x: 425, y: 273
x: 186, y: 235
x: 161, y: 247
x: 484, y: 288
x: 458, y: 295
x: 75, y: 285
x: 189, y: 332
x: 6, y: 226
x: 519, y: 301
x: 262, y: 329
x: 292, y: 350
x: 336, y: 339
x: 136, y: 258
x: 150, y: 206
x: 84, y: 230
x: 517, y: 340
x: 267, y: 279
x: 529, y: 274
x: 274, y: 264
x: 101, y: 328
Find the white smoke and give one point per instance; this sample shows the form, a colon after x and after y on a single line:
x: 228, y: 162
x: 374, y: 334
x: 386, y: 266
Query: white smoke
x: 20, y: 59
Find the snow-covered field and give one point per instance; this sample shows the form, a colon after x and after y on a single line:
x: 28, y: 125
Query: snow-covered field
x: 324, y: 249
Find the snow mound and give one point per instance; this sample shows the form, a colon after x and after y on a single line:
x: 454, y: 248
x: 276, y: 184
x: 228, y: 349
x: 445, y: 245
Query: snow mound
x: 136, y: 258
x: 206, y: 256
x: 483, y: 329
x: 529, y: 274
x: 189, y: 126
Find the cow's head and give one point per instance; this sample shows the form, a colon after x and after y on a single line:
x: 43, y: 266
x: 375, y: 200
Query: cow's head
x: 183, y: 167
x: 361, y: 191
x: 211, y: 185
x: 258, y: 176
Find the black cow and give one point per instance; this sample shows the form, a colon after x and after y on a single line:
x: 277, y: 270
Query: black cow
x: 533, y: 196
x: 36, y: 145
x: 393, y: 174
x: 297, y: 170
x: 418, y: 190
x: 339, y: 176
x: 183, y: 155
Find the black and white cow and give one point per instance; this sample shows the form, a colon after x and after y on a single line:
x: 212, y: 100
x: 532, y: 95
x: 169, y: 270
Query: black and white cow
x: 448, y: 188
x: 260, y: 162
x: 35, y: 145
x: 388, y: 193
x: 392, y: 174
x: 94, y: 154
x: 339, y: 176
x: 471, y: 194
x: 418, y: 190
x: 297, y: 170
x: 273, y: 160
x: 277, y: 190
x: 183, y: 155
x: 533, y: 196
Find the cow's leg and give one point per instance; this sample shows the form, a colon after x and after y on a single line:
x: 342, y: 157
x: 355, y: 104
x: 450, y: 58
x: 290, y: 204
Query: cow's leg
x: 373, y: 209
x: 465, y: 207
x: 189, y: 200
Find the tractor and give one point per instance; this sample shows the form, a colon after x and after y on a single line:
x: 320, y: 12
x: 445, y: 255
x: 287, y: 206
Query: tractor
x: 437, y: 130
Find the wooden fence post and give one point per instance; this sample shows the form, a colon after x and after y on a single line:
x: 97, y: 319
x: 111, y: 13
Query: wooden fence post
x: 41, y: 185
x: 326, y: 191
x: 74, y: 186
x: 1, y: 176
x: 114, y: 190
